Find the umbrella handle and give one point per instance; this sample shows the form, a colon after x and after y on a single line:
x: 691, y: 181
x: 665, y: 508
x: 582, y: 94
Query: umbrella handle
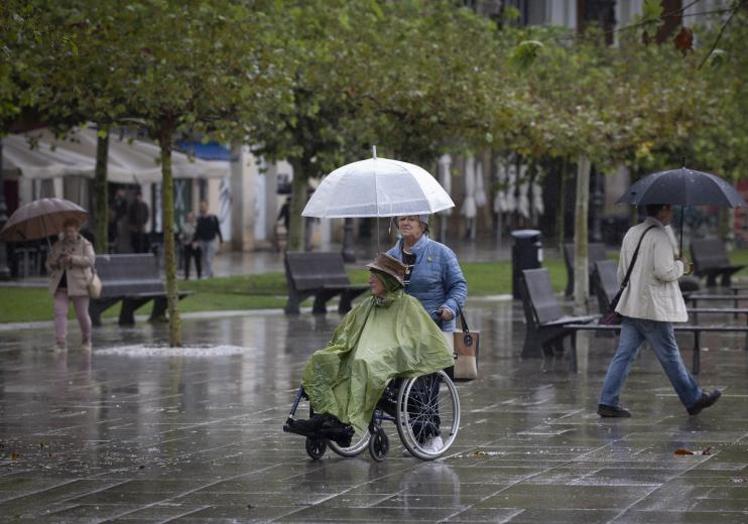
x: 682, y: 215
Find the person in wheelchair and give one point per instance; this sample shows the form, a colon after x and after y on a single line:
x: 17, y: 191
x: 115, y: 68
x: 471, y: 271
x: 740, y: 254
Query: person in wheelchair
x: 386, y: 337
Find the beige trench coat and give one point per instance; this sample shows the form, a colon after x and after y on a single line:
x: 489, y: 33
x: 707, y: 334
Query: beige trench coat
x: 79, y: 270
x: 653, y: 292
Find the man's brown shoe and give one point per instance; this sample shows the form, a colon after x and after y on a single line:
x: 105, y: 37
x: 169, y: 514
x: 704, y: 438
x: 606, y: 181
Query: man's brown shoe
x: 612, y: 411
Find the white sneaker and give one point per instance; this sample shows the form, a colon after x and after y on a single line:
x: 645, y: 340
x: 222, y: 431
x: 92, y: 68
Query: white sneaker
x: 434, y: 444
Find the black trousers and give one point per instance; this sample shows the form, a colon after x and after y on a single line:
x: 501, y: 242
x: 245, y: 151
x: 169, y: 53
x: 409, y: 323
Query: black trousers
x: 190, y: 253
x: 140, y: 243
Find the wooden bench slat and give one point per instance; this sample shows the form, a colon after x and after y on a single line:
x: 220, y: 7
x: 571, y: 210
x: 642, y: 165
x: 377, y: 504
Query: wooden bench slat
x: 318, y: 274
x: 133, y: 279
x: 709, y: 256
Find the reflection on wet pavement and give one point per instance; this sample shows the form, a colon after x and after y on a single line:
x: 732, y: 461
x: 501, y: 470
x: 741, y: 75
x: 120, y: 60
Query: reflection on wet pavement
x: 111, y: 437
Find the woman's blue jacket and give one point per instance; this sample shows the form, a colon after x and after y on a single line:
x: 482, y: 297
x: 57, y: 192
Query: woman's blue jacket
x: 436, y: 279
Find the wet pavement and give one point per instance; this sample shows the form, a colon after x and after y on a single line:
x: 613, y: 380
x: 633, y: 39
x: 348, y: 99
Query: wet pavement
x: 115, y: 438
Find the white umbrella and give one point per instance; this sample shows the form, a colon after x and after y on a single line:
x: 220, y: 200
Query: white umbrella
x: 511, y: 177
x: 469, y: 208
x: 524, y: 200
x: 480, y: 193
x: 445, y: 178
x: 499, y: 201
x: 377, y: 187
x: 468, y: 205
x: 537, y: 194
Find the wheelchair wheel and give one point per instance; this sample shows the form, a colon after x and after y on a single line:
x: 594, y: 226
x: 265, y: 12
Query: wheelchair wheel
x: 428, y: 415
x: 379, y: 444
x: 315, y: 447
x: 358, y: 445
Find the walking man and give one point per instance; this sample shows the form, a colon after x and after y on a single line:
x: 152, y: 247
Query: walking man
x: 206, y: 231
x: 137, y: 218
x: 649, y: 304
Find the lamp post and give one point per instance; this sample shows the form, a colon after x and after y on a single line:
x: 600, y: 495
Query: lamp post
x: 4, y: 271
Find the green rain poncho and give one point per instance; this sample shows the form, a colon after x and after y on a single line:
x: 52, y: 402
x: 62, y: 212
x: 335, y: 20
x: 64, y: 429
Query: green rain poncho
x: 380, y: 339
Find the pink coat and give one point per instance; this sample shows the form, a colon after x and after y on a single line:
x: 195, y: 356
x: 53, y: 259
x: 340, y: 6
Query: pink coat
x: 79, y: 272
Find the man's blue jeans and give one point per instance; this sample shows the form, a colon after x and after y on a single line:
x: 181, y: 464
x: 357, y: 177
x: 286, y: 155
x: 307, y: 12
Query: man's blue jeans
x: 660, y: 335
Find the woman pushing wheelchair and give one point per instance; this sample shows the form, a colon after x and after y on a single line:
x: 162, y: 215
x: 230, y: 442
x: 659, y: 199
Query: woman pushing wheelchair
x: 387, y: 339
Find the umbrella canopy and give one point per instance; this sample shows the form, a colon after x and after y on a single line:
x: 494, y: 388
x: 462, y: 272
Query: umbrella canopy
x: 40, y: 219
x: 683, y: 187
x: 377, y: 187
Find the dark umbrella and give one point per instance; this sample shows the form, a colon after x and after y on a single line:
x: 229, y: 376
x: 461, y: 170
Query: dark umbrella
x: 683, y: 187
x: 41, y: 218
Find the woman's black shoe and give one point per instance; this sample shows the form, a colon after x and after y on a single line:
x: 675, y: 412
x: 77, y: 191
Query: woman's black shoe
x: 612, y: 411
x: 706, y: 400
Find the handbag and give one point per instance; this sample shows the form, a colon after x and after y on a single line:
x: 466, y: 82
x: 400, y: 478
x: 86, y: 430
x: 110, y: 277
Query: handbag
x: 94, y: 285
x: 612, y: 318
x: 466, y: 344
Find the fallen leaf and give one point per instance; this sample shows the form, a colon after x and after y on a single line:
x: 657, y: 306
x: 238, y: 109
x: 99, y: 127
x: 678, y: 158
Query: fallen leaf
x: 683, y: 452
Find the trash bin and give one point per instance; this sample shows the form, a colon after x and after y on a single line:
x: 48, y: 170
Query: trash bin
x: 527, y: 253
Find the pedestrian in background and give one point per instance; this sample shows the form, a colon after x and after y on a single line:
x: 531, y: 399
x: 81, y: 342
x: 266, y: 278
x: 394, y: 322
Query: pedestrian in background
x: 433, y: 274
x: 137, y: 218
x: 70, y: 264
x: 649, y: 304
x: 208, y: 229
x: 190, y: 248
x: 117, y: 220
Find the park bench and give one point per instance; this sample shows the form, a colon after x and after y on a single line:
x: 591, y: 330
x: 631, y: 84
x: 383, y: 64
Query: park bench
x: 132, y: 279
x: 606, y: 278
x: 595, y: 251
x: 695, y: 329
x: 321, y: 275
x: 710, y: 260
x: 546, y: 315
x: 546, y: 323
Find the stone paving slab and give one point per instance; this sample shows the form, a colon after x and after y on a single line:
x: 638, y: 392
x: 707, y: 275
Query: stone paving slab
x: 113, y: 438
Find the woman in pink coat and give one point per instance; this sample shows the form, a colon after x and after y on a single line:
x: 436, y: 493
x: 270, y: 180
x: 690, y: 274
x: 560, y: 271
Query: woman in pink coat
x: 71, y: 265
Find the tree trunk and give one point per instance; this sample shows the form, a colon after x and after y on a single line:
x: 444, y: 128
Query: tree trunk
x: 298, y: 201
x: 581, y: 273
x: 101, y: 208
x: 561, y: 216
x: 167, y: 219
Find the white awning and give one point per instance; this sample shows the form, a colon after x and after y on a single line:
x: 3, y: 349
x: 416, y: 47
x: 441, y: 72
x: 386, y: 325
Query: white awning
x: 130, y: 162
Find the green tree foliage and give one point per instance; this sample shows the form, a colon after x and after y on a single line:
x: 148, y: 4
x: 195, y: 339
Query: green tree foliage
x: 319, y: 81
x: 392, y: 74
x: 173, y: 67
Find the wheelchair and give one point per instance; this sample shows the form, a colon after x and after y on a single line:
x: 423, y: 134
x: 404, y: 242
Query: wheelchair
x: 425, y: 410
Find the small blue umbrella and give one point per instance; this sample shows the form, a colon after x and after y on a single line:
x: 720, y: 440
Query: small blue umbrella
x: 683, y: 187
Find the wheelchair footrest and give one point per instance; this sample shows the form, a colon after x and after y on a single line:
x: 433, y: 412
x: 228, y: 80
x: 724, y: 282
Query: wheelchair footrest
x: 321, y: 427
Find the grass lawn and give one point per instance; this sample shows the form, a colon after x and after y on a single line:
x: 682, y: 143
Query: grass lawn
x: 268, y: 290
